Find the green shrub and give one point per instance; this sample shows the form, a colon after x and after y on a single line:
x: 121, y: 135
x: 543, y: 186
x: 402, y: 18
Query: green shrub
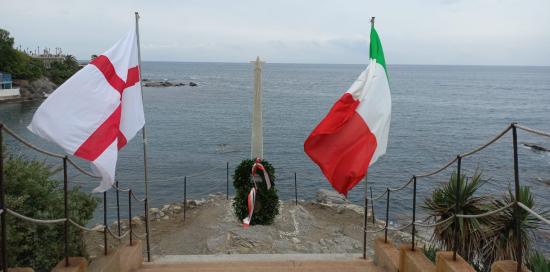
x: 266, y: 200
x: 31, y: 191
x: 442, y: 205
x: 430, y: 252
x: 538, y: 263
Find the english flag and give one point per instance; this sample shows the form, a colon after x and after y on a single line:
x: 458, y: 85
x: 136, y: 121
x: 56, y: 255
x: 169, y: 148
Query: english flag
x: 354, y: 134
x: 96, y: 111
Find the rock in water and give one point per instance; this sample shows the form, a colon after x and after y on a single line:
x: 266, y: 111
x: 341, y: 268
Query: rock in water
x: 325, y: 196
x: 192, y: 84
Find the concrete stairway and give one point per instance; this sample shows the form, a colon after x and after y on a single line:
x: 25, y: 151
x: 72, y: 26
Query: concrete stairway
x: 262, y: 262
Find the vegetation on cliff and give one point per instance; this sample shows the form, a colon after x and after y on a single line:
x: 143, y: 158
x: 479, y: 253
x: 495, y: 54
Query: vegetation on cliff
x: 23, y: 66
x: 32, y: 190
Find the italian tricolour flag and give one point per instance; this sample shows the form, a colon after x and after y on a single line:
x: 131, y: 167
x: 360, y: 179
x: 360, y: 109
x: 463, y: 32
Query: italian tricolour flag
x: 354, y: 134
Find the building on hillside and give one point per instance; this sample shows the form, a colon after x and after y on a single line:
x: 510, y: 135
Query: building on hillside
x: 47, y: 56
x: 7, y: 90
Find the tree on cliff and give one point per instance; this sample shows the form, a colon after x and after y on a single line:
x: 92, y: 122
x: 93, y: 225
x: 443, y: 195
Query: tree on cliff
x: 22, y: 66
x: 32, y: 189
x: 16, y: 63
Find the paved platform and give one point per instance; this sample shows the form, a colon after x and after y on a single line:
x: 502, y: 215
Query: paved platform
x: 261, y: 262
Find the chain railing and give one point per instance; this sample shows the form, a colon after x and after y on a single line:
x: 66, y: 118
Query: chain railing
x: 387, y: 192
x: 66, y: 220
x: 516, y: 205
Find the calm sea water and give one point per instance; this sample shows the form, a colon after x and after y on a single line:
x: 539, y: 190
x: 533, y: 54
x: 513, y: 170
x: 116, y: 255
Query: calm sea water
x: 438, y: 112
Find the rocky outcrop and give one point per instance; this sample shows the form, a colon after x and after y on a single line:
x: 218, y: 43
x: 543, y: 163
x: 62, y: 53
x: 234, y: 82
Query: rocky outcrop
x: 36, y: 89
x: 325, y: 196
x: 165, y: 83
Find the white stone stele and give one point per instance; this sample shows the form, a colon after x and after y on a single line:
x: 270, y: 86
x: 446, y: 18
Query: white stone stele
x: 257, y: 137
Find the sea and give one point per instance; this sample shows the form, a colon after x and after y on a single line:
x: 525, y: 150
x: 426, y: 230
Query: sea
x: 438, y: 112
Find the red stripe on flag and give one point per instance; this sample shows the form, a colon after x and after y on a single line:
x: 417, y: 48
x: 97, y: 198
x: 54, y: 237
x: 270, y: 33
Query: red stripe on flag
x: 342, y: 145
x: 106, y: 67
x: 102, y: 137
x: 133, y: 77
x: 107, y: 132
x: 121, y: 140
x: 108, y: 70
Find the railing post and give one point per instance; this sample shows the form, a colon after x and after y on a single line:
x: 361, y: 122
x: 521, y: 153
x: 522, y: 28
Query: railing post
x: 184, y: 197
x: 414, y: 212
x: 365, y: 229
x: 387, y: 215
x: 130, y: 215
x: 66, y: 211
x: 2, y: 203
x: 519, y: 249
x: 117, y: 208
x: 372, y: 206
x: 227, y: 181
x: 147, y: 228
x: 105, y: 222
x: 457, y: 204
x: 295, y: 189
x: 365, y: 221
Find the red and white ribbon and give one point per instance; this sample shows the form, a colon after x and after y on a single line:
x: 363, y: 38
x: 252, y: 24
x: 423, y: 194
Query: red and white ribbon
x: 251, y: 200
x: 258, y: 166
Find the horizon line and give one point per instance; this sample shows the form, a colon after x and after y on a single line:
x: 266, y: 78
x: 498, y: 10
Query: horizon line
x: 325, y: 63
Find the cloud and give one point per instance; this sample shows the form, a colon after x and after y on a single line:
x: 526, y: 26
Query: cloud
x: 320, y: 31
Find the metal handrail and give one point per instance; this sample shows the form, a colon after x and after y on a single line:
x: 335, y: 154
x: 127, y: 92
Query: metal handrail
x: 66, y: 220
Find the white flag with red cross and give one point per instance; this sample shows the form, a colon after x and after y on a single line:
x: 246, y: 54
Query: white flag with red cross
x: 96, y: 111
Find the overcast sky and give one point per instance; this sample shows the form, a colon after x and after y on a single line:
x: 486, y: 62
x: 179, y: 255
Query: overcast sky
x: 477, y: 32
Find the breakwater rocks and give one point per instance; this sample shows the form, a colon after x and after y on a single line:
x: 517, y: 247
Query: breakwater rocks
x: 330, y: 224
x: 36, y: 89
x: 165, y: 83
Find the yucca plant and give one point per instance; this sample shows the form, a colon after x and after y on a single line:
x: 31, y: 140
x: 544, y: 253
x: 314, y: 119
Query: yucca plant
x: 538, y: 263
x: 501, y: 238
x: 442, y: 205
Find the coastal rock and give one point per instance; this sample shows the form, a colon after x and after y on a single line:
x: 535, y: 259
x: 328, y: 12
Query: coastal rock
x: 192, y: 84
x: 98, y: 227
x: 325, y: 196
x: 163, y: 83
x: 545, y: 181
x: 136, y: 221
x: 153, y: 210
x: 36, y: 89
x: 196, y: 203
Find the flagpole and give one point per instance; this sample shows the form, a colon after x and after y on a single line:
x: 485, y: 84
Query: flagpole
x: 366, y: 199
x: 144, y: 134
x: 365, y: 221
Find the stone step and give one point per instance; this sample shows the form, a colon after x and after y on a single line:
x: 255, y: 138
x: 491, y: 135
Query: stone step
x: 261, y: 262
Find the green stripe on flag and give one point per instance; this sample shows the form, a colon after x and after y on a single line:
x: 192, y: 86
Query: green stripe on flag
x: 376, y: 51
